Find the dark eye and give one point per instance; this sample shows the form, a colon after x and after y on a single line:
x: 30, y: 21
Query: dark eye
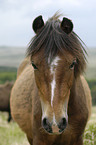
x: 34, y: 66
x: 73, y: 64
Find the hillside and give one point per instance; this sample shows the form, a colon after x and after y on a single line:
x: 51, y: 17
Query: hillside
x: 91, y: 68
x: 12, y: 57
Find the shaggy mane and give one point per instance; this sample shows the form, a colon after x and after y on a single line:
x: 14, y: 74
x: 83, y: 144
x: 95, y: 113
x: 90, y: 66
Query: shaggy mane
x: 53, y: 40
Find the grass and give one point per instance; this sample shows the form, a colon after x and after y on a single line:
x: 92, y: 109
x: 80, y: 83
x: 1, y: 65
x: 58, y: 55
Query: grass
x: 90, y: 131
x: 7, y: 76
x: 11, y: 134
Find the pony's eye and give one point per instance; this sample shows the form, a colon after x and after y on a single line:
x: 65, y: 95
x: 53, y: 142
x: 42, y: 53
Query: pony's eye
x: 73, y: 64
x: 34, y: 66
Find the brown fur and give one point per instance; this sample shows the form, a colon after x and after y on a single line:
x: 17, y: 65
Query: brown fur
x: 31, y: 94
x: 5, y: 91
x: 26, y: 111
x: 22, y: 66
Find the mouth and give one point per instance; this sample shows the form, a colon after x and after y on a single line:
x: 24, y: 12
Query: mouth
x: 54, y: 131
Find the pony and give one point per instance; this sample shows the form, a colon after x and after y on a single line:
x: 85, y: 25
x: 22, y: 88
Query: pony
x: 5, y: 90
x: 51, y: 100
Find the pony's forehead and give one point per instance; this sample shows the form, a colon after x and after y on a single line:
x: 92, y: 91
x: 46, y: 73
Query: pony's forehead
x: 39, y: 59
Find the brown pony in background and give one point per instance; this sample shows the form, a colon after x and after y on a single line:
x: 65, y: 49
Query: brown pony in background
x: 5, y: 90
x: 51, y: 101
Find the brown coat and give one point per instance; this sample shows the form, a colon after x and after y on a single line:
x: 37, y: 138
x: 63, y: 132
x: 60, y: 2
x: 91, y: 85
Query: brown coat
x: 26, y: 110
x: 5, y: 91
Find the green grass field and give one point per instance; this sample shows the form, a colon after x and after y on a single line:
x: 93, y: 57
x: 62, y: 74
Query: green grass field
x: 11, y: 134
x: 90, y: 131
x: 7, y: 76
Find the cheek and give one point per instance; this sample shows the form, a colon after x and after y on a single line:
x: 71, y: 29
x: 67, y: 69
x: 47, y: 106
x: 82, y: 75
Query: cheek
x: 70, y: 79
x: 38, y: 80
x: 43, y: 86
x: 63, y: 88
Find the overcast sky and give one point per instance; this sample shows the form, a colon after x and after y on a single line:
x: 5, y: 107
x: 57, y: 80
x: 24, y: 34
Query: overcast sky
x: 16, y: 18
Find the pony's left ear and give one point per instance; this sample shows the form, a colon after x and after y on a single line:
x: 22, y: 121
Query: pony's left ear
x: 38, y: 23
x: 66, y: 25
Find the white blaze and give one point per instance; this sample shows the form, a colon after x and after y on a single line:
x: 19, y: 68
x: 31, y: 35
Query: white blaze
x: 53, y: 83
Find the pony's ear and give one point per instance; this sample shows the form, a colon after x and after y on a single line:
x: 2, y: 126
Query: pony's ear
x: 38, y: 23
x: 66, y: 25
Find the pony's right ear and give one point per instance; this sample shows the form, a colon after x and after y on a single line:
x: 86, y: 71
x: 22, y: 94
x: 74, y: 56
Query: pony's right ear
x: 38, y: 23
x: 66, y: 25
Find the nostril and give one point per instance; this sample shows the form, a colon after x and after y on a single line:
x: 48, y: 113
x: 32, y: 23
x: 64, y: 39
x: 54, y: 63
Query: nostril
x: 46, y: 125
x: 62, y: 124
x: 64, y: 121
x: 45, y: 122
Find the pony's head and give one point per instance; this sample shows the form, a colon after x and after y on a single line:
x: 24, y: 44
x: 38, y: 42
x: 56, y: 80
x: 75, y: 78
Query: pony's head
x: 58, y: 59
